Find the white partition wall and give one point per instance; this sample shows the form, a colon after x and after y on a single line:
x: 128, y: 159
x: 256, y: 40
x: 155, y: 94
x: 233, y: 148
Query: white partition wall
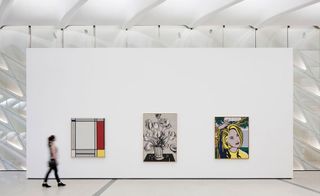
x: 197, y: 84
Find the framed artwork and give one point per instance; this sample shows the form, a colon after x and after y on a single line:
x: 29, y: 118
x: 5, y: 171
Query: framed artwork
x: 88, y: 137
x: 159, y: 137
x: 232, y: 137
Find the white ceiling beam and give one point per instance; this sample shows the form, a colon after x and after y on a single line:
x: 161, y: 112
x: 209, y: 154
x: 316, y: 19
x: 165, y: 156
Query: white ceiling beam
x: 64, y: 21
x: 3, y: 10
x: 275, y: 16
x: 205, y: 17
x: 137, y: 16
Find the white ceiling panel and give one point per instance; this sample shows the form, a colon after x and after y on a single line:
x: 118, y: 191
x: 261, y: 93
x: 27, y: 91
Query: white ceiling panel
x: 109, y: 12
x: 127, y: 13
x: 309, y: 15
x: 257, y: 12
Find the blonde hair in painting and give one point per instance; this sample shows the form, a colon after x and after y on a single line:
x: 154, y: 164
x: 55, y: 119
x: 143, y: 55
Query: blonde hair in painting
x: 225, y: 134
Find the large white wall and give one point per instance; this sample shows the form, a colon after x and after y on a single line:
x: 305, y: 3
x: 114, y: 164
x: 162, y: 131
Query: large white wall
x: 198, y: 84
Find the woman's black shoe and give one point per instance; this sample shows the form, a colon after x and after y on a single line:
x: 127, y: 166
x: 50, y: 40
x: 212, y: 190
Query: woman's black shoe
x: 46, y: 185
x: 61, y: 184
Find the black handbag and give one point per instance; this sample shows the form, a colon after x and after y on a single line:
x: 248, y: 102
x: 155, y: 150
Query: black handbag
x: 52, y: 163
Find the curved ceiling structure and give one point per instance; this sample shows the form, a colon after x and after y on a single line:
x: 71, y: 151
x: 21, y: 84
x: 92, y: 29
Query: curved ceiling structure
x: 128, y: 13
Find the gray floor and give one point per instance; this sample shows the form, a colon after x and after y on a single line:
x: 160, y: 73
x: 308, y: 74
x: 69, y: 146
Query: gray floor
x: 304, y: 183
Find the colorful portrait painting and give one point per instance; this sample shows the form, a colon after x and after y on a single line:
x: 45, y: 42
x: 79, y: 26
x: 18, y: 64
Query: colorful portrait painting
x: 159, y: 137
x: 232, y: 137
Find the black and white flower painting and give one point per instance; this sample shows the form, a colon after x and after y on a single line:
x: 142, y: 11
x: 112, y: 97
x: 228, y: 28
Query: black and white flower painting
x: 160, y: 137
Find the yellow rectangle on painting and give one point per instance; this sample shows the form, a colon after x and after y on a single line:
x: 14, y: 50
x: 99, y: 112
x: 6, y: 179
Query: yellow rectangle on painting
x: 100, y: 153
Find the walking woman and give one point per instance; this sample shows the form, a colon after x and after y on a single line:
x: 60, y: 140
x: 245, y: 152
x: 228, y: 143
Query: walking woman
x: 52, y: 163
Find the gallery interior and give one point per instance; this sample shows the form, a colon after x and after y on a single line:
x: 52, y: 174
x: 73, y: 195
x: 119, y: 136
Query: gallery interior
x: 162, y: 97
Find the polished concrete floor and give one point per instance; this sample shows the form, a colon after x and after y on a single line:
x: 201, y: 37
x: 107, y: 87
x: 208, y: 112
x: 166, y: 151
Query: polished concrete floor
x: 305, y: 183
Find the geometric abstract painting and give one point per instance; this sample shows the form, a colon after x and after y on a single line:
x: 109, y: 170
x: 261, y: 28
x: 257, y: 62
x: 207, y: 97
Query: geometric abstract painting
x: 159, y: 137
x: 232, y: 137
x: 87, y: 137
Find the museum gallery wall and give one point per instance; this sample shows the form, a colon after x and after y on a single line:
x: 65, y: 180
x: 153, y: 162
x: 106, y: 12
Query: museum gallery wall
x: 155, y: 113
